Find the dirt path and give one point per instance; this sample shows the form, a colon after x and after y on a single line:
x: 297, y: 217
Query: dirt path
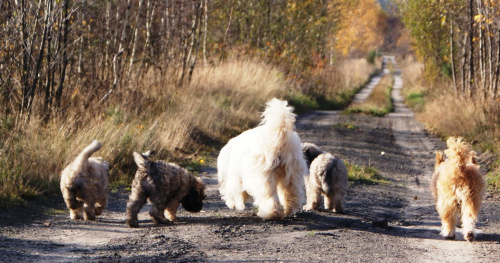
x: 221, y: 235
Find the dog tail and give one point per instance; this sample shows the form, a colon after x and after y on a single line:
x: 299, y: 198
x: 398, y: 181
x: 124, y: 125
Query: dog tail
x: 278, y: 116
x: 141, y: 159
x: 458, y: 151
x: 87, y: 152
x: 279, y: 120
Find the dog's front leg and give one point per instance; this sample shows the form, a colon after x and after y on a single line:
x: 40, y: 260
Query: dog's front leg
x: 156, y: 213
x: 172, y: 210
x: 89, y: 211
x: 75, y: 206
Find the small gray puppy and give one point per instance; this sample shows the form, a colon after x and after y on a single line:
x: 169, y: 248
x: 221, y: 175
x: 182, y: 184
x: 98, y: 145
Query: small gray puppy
x: 327, y: 177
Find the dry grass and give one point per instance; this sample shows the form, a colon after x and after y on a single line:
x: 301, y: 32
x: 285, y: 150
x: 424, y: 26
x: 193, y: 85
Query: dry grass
x: 177, y: 122
x: 184, y: 124
x: 379, y: 102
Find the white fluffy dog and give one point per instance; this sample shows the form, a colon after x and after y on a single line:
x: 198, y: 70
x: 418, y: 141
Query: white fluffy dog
x: 84, y: 184
x: 265, y: 163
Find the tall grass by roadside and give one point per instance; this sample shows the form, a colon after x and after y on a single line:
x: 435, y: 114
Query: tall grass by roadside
x: 179, y: 123
x: 448, y: 115
x: 379, y: 102
x: 183, y: 124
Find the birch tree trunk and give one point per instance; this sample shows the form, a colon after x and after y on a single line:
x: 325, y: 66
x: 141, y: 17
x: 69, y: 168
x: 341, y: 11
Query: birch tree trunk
x: 136, y: 39
x: 205, y: 33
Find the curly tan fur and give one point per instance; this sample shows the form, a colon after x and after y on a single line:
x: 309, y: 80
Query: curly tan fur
x: 458, y: 188
x: 84, y: 184
x: 327, y: 177
x: 166, y: 185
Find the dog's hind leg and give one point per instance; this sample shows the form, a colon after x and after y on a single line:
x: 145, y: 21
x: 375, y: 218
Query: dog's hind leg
x: 235, y: 196
x: 137, y: 199
x: 313, y: 193
x: 335, y: 200
x: 268, y: 201
x: 75, y: 206
x: 448, y: 214
x: 469, y: 218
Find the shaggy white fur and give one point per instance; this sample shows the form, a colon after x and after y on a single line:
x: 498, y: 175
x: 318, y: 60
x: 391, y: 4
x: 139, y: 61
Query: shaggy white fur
x: 84, y: 184
x: 265, y: 163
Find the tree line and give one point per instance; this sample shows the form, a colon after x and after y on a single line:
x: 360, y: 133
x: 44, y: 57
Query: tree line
x: 53, y: 50
x: 460, y: 39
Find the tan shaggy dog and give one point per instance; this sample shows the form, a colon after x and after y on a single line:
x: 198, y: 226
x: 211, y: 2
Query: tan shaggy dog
x: 458, y: 188
x: 265, y: 163
x: 166, y: 185
x: 327, y: 177
x: 84, y: 184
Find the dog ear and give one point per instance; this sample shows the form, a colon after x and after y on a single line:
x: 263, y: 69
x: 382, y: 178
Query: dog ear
x: 310, y: 152
x: 149, y: 153
x: 473, y: 157
x: 140, y: 159
x: 439, y: 157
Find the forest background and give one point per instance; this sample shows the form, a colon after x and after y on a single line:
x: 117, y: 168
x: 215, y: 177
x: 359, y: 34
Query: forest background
x: 182, y: 77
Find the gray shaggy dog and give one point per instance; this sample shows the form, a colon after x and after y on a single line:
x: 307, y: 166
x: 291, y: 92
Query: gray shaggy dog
x: 84, y: 184
x: 166, y: 185
x: 327, y: 177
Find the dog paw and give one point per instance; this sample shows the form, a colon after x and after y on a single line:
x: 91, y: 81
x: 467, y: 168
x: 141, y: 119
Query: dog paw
x: 307, y: 208
x: 132, y: 223
x: 339, y: 210
x: 89, y: 217
x: 159, y: 220
x: 450, y: 237
x: 469, y: 236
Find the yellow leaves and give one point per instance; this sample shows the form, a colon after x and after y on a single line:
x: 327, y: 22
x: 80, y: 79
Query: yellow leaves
x: 139, y: 129
x: 361, y: 29
x: 481, y: 18
x: 443, y: 20
x: 75, y: 93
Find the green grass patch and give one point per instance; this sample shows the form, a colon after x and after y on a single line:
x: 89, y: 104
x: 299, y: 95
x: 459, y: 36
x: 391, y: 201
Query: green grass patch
x: 302, y: 103
x: 364, y: 174
x: 493, y: 180
x: 416, y: 100
x: 349, y: 126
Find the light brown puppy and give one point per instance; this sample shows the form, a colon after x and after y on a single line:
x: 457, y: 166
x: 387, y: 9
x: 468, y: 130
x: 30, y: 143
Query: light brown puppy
x: 458, y: 188
x: 84, y: 184
x: 166, y: 185
x: 327, y: 177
